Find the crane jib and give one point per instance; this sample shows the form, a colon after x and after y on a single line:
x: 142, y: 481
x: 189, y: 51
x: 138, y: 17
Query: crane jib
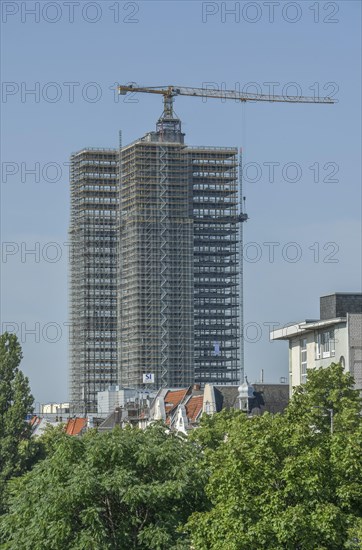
x: 172, y: 91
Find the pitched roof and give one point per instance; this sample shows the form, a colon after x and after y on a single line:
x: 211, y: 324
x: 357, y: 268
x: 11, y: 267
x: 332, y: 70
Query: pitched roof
x: 74, y: 426
x: 226, y: 397
x: 173, y: 398
x: 34, y: 421
x: 276, y: 396
x: 112, y: 420
x: 194, y: 407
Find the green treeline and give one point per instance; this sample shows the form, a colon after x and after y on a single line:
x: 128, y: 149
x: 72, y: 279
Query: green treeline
x: 291, y: 481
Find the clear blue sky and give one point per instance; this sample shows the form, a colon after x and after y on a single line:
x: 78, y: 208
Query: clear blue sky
x: 186, y: 43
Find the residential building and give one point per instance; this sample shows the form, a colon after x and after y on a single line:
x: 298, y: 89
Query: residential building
x: 39, y: 424
x: 182, y: 408
x: 134, y: 412
x: 76, y: 426
x: 115, y: 397
x: 59, y: 409
x: 334, y: 338
x: 253, y: 399
x: 71, y: 426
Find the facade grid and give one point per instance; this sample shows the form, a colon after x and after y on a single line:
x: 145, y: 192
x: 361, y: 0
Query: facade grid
x: 155, y: 275
x: 93, y: 275
x: 155, y: 321
x: 214, y: 177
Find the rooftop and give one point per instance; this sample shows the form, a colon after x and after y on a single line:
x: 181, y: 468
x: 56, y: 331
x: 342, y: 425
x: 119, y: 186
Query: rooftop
x: 75, y: 426
x: 194, y: 407
x: 303, y: 327
x: 173, y: 398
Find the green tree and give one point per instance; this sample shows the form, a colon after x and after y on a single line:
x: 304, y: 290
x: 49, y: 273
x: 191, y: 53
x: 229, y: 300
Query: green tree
x: 49, y: 440
x: 120, y: 490
x: 285, y: 482
x: 16, y: 402
x: 328, y: 395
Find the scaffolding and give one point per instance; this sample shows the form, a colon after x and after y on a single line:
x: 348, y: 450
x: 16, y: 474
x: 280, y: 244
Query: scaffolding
x: 155, y: 266
x: 155, y: 322
x: 217, y: 296
x: 93, y: 307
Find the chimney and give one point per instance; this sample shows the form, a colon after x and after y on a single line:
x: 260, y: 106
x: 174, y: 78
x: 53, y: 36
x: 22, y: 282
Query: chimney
x: 118, y: 415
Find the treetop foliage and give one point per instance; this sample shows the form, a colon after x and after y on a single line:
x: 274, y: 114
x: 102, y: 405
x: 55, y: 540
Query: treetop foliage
x: 289, y: 481
x: 285, y: 481
x: 16, y: 402
x: 123, y: 489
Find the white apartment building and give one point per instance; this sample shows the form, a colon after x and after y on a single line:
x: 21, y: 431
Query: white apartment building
x: 55, y: 408
x: 115, y: 396
x: 335, y: 338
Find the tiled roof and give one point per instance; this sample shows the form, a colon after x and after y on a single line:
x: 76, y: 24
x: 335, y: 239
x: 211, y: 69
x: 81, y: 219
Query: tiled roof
x: 194, y: 407
x: 34, y: 421
x: 173, y: 398
x: 74, y: 426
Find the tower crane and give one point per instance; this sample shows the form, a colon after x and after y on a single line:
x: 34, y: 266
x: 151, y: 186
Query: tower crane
x: 169, y: 93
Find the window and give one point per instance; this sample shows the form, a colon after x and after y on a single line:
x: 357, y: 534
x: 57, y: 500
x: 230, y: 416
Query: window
x: 332, y: 343
x: 325, y: 344
x: 303, y: 360
x: 318, y: 350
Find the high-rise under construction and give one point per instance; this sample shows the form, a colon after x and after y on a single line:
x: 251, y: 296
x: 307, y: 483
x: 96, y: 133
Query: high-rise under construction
x: 155, y: 321
x: 155, y: 279
x: 93, y: 275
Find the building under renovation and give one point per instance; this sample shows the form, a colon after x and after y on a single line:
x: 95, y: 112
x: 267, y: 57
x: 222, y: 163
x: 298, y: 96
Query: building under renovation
x: 216, y: 277
x: 155, y: 280
x: 94, y: 190
x: 155, y: 322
